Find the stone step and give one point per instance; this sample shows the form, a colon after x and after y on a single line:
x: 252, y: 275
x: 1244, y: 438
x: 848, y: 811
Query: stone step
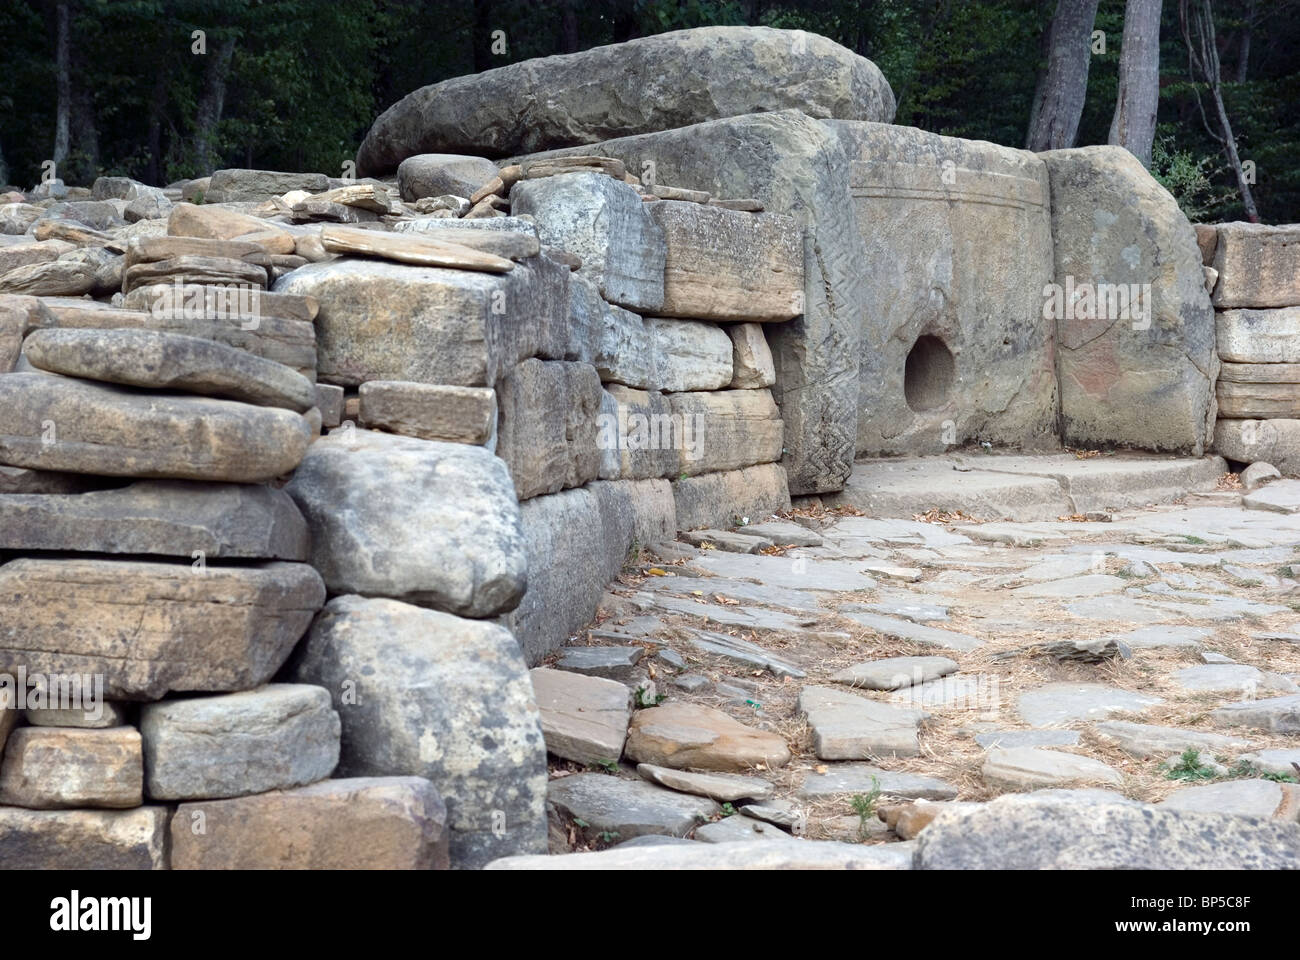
x: 1021, y: 487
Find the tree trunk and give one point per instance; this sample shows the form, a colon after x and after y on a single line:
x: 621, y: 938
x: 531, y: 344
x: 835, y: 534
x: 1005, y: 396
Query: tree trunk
x: 157, y: 103
x: 1243, y: 48
x: 1134, y: 124
x: 63, y: 87
x: 210, y: 106
x: 481, y: 38
x: 1063, y: 85
x: 569, y: 28
x: 1196, y: 19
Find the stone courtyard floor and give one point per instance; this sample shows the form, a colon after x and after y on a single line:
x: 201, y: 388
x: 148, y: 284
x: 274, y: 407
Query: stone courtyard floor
x: 1065, y: 653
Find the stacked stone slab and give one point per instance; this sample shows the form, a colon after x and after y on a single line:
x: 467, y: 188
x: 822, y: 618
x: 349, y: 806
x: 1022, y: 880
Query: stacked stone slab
x: 157, y: 576
x: 663, y: 400
x: 1254, y: 272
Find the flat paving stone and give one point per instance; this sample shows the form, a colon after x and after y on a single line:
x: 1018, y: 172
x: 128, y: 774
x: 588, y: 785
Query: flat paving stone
x: 584, y: 718
x: 612, y: 663
x: 906, y: 630
x: 1166, y: 638
x: 726, y: 540
x: 1087, y: 586
x: 836, y: 576
x: 1148, y: 740
x: 1118, y: 608
x: 717, y: 786
x: 846, y: 726
x: 1239, y: 798
x: 894, y: 673
x: 1009, y: 739
x: 1238, y: 678
x: 1274, y: 715
x: 1280, y: 496
x: 1061, y: 703
x: 1280, y: 761
x: 967, y: 691
x: 847, y: 778
x: 785, y: 533
x: 783, y: 813
x: 914, y: 610
x: 785, y: 598
x: 629, y: 808
x: 1028, y: 768
x: 740, y: 828
x: 743, y: 652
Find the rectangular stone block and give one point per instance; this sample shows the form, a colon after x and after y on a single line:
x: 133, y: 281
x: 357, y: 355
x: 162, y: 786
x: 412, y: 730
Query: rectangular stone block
x: 718, y: 499
x: 1260, y: 372
x: 153, y: 627
x: 329, y: 401
x: 641, y: 434
x: 1259, y: 265
x: 1259, y: 336
x: 584, y: 718
x: 386, y: 321
x: 604, y: 222
x: 689, y: 355
x: 1258, y: 400
x: 576, y: 543
x: 547, y: 432
x: 623, y: 350
x: 358, y: 823
x: 725, y: 430
x: 429, y: 411
x: 751, y: 358
x: 83, y: 839
x: 729, y: 265
x: 51, y: 768
x: 288, y: 341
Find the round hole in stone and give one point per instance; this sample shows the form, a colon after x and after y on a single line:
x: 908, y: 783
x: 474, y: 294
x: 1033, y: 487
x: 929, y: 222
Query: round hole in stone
x: 929, y: 374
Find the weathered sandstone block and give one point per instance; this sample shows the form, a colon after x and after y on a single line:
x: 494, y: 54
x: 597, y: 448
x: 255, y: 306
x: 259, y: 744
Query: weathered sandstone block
x: 388, y: 321
x: 429, y: 411
x: 439, y: 697
x: 1143, y: 377
x: 277, y: 736
x: 728, y: 265
x: 726, y: 429
x: 49, y: 768
x: 684, y: 77
x: 360, y: 823
x: 1259, y: 265
x: 84, y: 839
x: 604, y: 222
x: 168, y: 517
x: 57, y: 423
x: 170, y: 361
x: 717, y: 499
x: 548, y: 425
x: 150, y: 628
x: 454, y: 544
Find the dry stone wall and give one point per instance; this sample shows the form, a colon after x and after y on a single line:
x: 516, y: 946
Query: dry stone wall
x: 1254, y: 272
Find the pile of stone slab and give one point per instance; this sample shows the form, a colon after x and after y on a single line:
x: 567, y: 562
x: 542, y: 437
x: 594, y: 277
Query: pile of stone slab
x: 159, y: 577
x: 1256, y: 273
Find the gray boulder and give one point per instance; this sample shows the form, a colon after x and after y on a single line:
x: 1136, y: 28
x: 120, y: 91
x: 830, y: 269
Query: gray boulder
x: 454, y: 543
x: 442, y: 174
x: 1059, y: 831
x: 681, y: 78
x: 427, y: 694
x: 1142, y: 378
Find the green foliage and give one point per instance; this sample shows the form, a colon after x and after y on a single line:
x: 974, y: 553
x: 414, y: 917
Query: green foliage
x: 864, y: 805
x: 728, y: 810
x: 1187, y: 177
x: 1189, y: 767
x: 608, y: 766
x: 643, y: 701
